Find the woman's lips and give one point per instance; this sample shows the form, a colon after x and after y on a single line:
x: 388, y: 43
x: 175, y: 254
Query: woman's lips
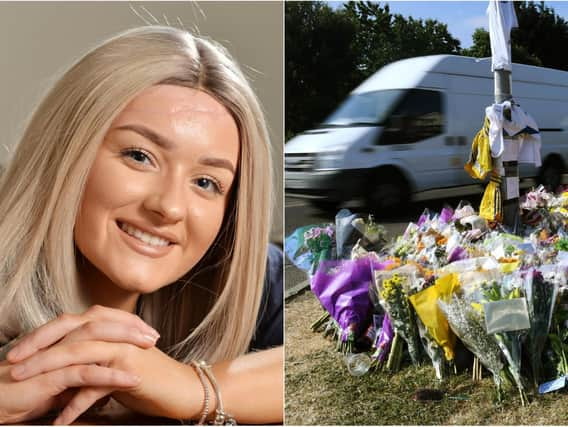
x: 141, y: 246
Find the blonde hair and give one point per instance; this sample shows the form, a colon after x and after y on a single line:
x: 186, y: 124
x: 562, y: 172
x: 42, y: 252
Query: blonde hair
x: 212, y: 312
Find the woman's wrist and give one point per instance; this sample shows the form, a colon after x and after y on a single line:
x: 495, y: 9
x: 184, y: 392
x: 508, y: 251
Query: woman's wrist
x: 200, y: 395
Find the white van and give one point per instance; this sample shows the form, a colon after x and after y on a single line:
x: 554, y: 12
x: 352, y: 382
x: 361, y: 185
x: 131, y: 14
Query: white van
x: 406, y: 132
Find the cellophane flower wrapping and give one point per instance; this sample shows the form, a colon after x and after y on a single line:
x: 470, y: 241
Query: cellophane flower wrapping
x: 342, y: 287
x: 345, y: 233
x: 509, y: 289
x: 430, y: 315
x: 320, y: 241
x: 433, y: 350
x: 384, y: 340
x: 541, y: 297
x: 468, y: 325
x: 309, y: 245
x: 393, y: 289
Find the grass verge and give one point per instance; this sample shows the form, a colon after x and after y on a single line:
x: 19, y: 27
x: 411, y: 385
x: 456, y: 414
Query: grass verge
x: 319, y: 391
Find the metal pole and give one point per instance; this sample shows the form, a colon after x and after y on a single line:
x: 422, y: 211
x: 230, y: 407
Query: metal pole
x: 510, y: 173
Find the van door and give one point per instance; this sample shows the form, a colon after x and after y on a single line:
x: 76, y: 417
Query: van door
x: 414, y: 137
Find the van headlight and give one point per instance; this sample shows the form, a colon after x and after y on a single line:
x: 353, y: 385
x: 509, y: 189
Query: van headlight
x: 329, y: 160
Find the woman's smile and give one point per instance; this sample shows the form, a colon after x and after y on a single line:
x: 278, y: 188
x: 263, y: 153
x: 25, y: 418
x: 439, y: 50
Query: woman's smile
x: 144, y: 243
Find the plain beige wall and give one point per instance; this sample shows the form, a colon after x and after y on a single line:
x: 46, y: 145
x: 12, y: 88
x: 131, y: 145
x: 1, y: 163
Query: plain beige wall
x: 39, y: 40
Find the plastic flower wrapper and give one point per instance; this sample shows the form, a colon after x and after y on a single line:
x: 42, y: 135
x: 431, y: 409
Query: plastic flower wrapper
x: 309, y: 245
x: 458, y: 253
x: 374, y: 235
x: 383, y: 342
x: 463, y: 210
x: 559, y: 339
x: 296, y: 250
x: 405, y: 245
x: 393, y: 289
x: 446, y: 215
x: 342, y: 287
x: 467, y: 324
x: 345, y: 233
x: 543, y: 209
x: 541, y: 298
x: 425, y: 304
x: 424, y: 220
x: 470, y: 264
x: 537, y: 198
x: 433, y: 350
x: 506, y: 317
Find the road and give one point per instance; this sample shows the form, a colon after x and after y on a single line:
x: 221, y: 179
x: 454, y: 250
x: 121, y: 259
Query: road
x: 298, y: 212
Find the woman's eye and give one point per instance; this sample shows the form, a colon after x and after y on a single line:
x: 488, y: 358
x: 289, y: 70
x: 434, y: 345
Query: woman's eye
x: 138, y: 156
x: 208, y: 185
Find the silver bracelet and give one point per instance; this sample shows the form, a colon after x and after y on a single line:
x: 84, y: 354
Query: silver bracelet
x: 221, y: 417
x: 198, y: 370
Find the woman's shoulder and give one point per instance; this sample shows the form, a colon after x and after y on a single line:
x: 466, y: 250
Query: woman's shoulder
x: 269, y: 326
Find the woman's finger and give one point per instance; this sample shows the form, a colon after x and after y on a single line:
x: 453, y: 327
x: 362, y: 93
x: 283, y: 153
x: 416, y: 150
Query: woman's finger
x: 81, y: 402
x: 62, y: 355
x: 55, y: 330
x: 111, y: 332
x: 56, y: 382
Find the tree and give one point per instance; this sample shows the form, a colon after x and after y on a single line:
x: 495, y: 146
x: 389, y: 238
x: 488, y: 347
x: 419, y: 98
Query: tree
x: 383, y: 38
x: 536, y: 40
x: 329, y: 52
x: 320, y: 62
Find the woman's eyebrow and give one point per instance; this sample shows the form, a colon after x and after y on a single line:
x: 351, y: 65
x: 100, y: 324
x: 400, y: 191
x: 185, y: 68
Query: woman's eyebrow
x: 150, y: 135
x: 218, y: 163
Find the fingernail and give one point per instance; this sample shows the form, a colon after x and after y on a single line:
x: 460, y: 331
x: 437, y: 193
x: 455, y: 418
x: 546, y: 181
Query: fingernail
x: 150, y: 338
x: 13, y: 353
x: 18, y: 371
x: 154, y: 333
x: 134, y: 379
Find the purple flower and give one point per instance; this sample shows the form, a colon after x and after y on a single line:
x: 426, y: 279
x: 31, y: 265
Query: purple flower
x: 457, y: 254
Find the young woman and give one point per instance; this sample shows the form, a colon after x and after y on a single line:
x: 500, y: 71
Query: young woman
x: 134, y: 218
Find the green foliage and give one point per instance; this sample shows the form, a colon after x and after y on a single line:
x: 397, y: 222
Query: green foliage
x: 319, y: 62
x: 329, y: 52
x: 541, y: 32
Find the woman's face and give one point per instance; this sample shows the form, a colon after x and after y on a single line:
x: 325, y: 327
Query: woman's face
x: 158, y: 189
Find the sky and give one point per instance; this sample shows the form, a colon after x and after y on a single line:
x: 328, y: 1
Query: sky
x: 462, y: 17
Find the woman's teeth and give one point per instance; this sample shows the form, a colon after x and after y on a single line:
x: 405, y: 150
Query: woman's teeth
x: 143, y: 236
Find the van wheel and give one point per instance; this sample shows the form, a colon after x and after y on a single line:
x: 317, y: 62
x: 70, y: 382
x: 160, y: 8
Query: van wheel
x: 390, y: 194
x: 550, y: 175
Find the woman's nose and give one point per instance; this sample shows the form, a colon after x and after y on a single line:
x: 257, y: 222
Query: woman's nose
x: 167, y: 200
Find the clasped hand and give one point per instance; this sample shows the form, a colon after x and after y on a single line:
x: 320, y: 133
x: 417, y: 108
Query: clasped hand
x: 72, y: 362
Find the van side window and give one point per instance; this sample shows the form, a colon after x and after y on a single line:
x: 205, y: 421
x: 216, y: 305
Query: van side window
x: 418, y: 116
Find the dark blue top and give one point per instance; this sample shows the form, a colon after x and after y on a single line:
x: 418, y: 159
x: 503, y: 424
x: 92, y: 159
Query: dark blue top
x: 270, y: 326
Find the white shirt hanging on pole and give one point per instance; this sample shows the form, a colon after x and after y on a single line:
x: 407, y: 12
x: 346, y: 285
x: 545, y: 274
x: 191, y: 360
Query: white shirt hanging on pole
x: 526, y: 146
x: 502, y: 19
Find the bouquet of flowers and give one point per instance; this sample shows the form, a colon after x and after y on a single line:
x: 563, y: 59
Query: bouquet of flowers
x: 541, y: 297
x: 393, y: 289
x: 309, y: 245
x: 383, y: 342
x: 559, y: 340
x: 506, y: 317
x: 467, y: 324
x: 437, y: 339
x: 374, y: 235
x: 342, y: 287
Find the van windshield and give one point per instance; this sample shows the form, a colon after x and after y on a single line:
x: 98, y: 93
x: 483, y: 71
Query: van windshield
x: 364, y: 109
